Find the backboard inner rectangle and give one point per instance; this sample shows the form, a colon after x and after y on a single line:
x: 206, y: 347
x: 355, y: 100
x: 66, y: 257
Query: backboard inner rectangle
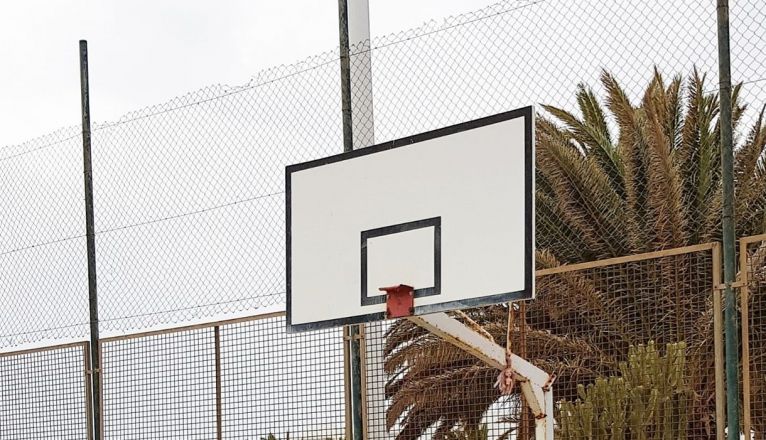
x: 407, y: 253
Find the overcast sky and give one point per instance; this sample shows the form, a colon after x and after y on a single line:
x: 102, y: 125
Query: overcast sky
x: 144, y: 52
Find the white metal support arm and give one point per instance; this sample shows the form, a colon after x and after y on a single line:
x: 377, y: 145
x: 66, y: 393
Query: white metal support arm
x: 535, y: 383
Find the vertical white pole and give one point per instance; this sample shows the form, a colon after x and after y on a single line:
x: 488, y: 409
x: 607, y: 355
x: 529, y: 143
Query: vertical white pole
x: 549, y: 414
x: 363, y: 128
x: 362, y: 120
x: 544, y: 425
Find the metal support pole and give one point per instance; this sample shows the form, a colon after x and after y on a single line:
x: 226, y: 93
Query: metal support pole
x: 90, y: 238
x: 356, y: 74
x: 345, y: 76
x: 360, y: 70
x: 218, y: 385
x: 355, y: 332
x: 355, y: 371
x: 88, y: 393
x: 719, y: 363
x: 729, y: 270
x: 354, y: 367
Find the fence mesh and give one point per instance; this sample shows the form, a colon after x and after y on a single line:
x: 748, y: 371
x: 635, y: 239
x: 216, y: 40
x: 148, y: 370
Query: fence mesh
x: 580, y: 327
x: 755, y: 317
x: 42, y: 245
x: 584, y: 322
x: 43, y: 394
x: 189, y: 211
x: 208, y: 166
x: 246, y: 380
x: 285, y: 385
x: 160, y: 386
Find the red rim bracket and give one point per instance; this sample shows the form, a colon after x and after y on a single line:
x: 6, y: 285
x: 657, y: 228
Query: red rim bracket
x: 400, y: 301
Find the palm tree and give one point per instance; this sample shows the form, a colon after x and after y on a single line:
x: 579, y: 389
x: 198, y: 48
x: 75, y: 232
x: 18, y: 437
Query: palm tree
x: 615, y: 180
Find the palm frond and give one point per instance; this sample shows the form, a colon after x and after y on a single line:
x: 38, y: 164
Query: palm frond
x: 584, y: 195
x: 631, y: 146
x: 592, y: 135
x: 665, y: 186
x: 698, y: 157
x: 750, y: 186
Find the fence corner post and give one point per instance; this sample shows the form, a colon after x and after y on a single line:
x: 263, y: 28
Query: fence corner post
x: 90, y: 238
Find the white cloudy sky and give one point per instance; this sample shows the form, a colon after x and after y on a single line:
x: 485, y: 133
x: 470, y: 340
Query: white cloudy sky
x: 144, y: 52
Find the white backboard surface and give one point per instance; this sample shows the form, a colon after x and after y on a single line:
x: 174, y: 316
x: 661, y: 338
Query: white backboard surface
x: 449, y: 212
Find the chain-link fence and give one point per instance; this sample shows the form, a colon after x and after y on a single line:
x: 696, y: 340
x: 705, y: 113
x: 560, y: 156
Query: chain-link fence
x: 189, y: 212
x: 42, y: 241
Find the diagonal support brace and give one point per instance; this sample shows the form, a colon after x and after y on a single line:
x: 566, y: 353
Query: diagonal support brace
x: 535, y: 383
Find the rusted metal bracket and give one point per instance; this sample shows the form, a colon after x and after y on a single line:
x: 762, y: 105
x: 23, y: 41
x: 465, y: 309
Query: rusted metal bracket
x: 400, y: 301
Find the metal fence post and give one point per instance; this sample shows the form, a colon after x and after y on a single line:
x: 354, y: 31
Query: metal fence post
x: 727, y: 174
x: 90, y: 234
x: 719, y: 363
x: 345, y: 75
x: 744, y: 304
x: 355, y: 360
x: 87, y: 367
x: 218, y: 384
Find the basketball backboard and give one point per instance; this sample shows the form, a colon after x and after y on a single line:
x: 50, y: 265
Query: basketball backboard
x: 449, y: 212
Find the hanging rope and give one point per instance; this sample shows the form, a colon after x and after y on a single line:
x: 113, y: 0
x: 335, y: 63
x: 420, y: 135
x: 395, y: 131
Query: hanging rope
x: 505, y: 378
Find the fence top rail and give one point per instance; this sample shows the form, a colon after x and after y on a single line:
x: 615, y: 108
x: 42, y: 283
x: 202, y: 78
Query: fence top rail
x: 185, y: 328
x: 752, y: 239
x: 83, y: 344
x: 626, y: 259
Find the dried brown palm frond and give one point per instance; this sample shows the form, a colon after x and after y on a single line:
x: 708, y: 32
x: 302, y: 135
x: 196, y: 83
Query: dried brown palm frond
x: 750, y: 174
x: 757, y: 263
x: 699, y: 157
x: 583, y: 195
x: 631, y: 147
x: 666, y: 214
x: 467, y: 389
